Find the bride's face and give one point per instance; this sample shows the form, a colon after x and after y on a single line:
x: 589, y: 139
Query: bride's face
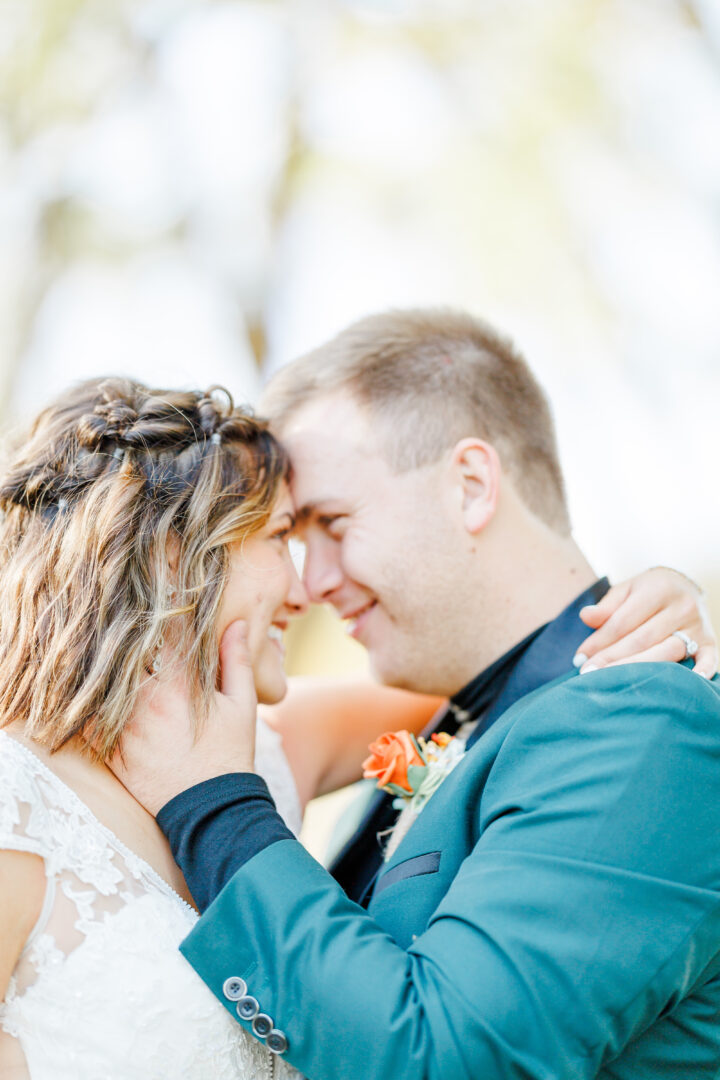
x: 264, y: 589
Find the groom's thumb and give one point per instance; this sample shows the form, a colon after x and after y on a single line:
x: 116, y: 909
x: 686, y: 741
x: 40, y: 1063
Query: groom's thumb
x: 236, y: 676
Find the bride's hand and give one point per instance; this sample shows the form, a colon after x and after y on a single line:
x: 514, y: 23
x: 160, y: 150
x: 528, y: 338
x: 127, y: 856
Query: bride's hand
x: 161, y: 753
x: 638, y: 620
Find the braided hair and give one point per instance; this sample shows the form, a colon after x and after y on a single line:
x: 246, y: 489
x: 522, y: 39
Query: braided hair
x: 116, y: 515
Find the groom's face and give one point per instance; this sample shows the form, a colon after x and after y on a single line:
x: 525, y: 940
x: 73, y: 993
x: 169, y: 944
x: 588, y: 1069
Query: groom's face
x: 378, y: 547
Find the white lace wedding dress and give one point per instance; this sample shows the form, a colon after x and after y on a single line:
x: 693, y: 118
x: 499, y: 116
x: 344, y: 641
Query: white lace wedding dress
x: 100, y: 991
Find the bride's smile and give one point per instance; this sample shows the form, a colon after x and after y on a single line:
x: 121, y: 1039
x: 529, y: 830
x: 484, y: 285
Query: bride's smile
x: 263, y: 588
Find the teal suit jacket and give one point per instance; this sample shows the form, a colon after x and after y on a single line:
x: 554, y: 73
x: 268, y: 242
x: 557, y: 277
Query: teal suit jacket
x: 553, y: 913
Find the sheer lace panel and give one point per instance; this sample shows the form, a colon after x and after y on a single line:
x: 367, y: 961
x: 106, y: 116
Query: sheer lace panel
x: 90, y: 874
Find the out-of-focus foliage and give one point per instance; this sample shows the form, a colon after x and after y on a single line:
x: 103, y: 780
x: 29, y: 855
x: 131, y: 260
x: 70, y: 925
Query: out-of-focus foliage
x: 197, y: 190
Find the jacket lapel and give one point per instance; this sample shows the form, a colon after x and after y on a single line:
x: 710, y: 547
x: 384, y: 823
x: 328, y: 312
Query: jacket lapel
x: 548, y: 657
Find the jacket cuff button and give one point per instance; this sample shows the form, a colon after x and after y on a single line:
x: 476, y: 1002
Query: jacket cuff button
x: 262, y: 1025
x: 234, y: 988
x: 277, y: 1041
x: 247, y: 1007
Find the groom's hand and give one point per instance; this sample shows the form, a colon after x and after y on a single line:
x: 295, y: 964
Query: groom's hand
x: 638, y: 620
x: 163, y: 751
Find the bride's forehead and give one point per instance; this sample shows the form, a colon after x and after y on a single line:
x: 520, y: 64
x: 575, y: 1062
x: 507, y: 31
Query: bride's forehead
x: 284, y: 502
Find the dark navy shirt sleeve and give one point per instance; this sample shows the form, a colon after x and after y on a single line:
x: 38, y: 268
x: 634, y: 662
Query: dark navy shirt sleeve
x: 216, y: 827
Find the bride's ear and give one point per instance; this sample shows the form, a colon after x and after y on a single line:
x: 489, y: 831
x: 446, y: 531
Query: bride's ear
x: 476, y: 473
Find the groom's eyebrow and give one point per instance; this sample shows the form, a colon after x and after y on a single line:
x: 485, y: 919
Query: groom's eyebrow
x: 307, y: 511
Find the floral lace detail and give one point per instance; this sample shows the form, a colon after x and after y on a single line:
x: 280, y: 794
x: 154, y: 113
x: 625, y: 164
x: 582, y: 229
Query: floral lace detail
x: 101, y: 988
x: 44, y: 953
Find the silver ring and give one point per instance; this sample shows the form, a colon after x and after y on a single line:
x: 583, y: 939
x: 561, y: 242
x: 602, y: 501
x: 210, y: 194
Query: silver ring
x: 691, y: 647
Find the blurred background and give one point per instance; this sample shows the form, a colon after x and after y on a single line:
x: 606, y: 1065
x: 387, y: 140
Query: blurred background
x: 196, y: 191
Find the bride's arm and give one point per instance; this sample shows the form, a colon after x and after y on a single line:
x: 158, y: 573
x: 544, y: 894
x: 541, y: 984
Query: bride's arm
x: 22, y: 888
x: 326, y: 725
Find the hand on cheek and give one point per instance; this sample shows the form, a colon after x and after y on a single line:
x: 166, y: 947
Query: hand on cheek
x: 160, y: 753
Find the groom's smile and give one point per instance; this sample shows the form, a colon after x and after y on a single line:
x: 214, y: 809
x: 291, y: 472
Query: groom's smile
x: 356, y: 621
x: 371, y: 536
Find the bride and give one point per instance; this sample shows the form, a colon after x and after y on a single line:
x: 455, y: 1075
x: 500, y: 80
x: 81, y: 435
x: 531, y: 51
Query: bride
x: 136, y: 526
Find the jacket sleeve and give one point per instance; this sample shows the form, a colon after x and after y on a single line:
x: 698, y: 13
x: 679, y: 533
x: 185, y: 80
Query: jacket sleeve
x: 588, y: 906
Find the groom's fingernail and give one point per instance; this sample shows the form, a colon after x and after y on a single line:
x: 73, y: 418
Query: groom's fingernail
x: 579, y: 659
x: 589, y: 667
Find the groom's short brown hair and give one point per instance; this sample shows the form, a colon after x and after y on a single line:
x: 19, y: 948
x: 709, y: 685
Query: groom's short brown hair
x: 429, y: 378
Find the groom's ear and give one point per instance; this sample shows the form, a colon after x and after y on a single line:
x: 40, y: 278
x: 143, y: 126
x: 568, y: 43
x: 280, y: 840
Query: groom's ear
x: 476, y: 468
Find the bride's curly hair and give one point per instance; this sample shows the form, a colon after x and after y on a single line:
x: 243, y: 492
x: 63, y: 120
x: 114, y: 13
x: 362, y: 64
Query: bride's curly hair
x: 114, y: 480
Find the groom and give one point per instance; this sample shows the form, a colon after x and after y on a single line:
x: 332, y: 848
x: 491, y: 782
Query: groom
x: 554, y: 910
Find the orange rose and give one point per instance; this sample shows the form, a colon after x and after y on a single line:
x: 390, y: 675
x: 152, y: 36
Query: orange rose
x: 390, y: 756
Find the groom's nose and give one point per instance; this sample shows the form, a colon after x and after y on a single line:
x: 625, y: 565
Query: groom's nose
x: 322, y: 574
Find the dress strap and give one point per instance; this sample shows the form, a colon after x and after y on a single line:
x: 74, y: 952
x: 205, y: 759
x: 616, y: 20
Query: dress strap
x: 44, y: 916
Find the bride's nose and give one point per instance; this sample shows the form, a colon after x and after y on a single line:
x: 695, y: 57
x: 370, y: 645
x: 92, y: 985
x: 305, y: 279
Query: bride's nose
x: 297, y: 600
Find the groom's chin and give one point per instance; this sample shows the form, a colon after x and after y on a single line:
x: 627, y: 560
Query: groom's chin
x: 387, y: 673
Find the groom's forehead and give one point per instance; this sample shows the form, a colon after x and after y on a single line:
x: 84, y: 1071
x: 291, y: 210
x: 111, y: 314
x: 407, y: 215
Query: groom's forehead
x: 327, y: 436
x: 324, y: 475
x: 330, y: 475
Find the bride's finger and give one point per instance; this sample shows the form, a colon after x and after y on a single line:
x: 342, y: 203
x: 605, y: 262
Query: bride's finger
x: 655, y: 631
x: 622, y: 623
x: 236, y: 676
x: 706, y: 661
x: 671, y: 650
x: 596, y: 615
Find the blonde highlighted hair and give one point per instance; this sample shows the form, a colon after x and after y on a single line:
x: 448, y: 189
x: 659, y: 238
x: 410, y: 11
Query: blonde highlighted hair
x: 114, y: 482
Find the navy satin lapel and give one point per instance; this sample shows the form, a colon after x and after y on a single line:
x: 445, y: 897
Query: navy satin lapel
x: 549, y: 657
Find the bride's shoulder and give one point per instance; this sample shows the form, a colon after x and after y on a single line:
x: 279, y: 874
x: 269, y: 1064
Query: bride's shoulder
x: 19, y: 771
x: 34, y: 806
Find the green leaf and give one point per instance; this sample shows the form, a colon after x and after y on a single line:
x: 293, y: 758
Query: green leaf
x: 416, y: 775
x: 418, y: 748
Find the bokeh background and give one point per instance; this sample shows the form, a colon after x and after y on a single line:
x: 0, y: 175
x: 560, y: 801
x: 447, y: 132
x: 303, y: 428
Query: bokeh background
x: 195, y: 191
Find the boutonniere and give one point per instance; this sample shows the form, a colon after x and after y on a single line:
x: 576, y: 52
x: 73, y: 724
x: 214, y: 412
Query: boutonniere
x: 412, y: 768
